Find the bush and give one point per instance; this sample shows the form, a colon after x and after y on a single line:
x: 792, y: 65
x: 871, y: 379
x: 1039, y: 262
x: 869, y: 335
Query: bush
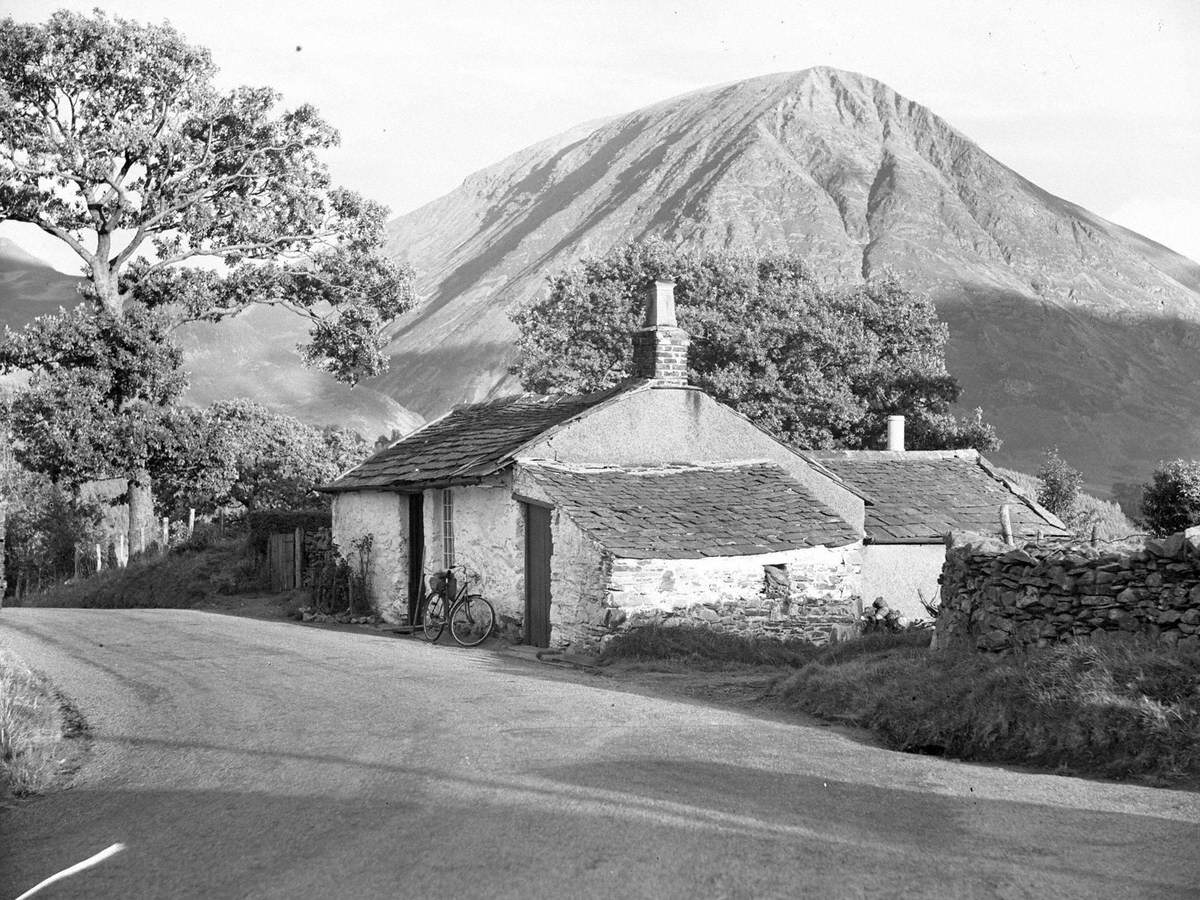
x: 1059, y: 489
x: 1171, y: 501
x: 45, y: 526
x: 1121, y: 706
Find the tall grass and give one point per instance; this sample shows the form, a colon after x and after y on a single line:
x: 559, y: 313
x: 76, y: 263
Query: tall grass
x: 32, y: 729
x: 1119, y: 707
x: 705, y: 648
x: 179, y: 579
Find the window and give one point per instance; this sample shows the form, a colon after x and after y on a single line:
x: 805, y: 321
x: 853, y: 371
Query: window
x: 447, y: 528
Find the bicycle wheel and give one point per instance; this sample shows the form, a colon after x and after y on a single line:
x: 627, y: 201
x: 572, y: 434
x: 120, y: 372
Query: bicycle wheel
x: 471, y: 620
x: 434, y: 620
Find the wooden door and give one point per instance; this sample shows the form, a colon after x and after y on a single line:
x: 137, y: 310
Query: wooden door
x: 281, y: 562
x: 416, y: 551
x: 538, y: 548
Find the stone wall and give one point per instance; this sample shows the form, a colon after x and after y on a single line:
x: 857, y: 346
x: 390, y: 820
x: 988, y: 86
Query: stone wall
x: 996, y: 597
x: 820, y: 595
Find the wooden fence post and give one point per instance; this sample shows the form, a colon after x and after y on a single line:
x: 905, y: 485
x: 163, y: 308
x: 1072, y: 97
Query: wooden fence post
x: 298, y: 557
x: 1006, y: 523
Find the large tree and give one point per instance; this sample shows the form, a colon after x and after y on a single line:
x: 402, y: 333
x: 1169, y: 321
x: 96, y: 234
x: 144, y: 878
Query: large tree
x: 814, y: 365
x: 115, y: 139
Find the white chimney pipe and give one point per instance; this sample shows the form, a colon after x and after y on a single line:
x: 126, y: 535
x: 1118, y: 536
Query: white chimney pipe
x: 660, y: 310
x: 895, y: 439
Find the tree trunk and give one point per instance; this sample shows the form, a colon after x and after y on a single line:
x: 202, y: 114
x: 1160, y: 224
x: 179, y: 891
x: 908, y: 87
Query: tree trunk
x: 105, y: 284
x: 141, y: 510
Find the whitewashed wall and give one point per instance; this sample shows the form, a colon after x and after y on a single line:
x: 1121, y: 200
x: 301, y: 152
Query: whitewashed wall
x: 896, y: 572
x: 384, y: 515
x: 489, y: 539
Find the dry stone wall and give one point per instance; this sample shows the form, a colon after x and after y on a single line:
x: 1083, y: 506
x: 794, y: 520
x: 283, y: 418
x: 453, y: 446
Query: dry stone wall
x: 996, y: 597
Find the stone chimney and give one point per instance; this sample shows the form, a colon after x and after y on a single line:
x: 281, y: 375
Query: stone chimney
x: 660, y: 346
x: 895, y: 440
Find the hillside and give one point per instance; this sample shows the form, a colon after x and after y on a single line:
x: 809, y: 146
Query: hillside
x: 1067, y: 329
x: 251, y: 356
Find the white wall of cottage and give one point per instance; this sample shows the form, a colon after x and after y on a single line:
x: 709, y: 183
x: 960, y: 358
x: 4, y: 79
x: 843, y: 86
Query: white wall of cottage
x: 384, y: 516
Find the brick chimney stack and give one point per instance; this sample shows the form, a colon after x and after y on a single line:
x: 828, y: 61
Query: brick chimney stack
x: 660, y: 346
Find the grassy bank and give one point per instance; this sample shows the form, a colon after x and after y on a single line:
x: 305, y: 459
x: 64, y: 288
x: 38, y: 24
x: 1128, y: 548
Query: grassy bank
x: 35, y: 725
x: 178, y: 579
x: 1125, y: 707
x: 1118, y: 708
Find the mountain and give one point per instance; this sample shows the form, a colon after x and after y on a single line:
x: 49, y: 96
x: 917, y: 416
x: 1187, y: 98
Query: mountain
x: 1069, y: 330
x: 251, y: 356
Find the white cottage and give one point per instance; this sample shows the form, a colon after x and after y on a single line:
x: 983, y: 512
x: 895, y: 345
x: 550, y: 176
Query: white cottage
x: 583, y: 515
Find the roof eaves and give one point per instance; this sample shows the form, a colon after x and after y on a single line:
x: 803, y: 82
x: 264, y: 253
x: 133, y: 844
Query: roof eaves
x: 335, y: 487
x: 1014, y: 489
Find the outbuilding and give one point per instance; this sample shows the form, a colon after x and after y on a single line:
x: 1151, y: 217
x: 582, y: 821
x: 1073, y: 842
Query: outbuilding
x: 917, y: 498
x: 581, y: 515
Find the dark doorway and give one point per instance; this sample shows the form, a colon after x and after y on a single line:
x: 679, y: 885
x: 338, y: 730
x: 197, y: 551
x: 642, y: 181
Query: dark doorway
x: 416, y: 551
x: 538, y: 548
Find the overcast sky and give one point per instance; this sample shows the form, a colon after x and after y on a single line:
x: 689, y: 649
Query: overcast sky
x: 1097, y: 100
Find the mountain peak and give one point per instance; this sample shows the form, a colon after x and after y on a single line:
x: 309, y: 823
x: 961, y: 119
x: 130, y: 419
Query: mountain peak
x: 861, y: 181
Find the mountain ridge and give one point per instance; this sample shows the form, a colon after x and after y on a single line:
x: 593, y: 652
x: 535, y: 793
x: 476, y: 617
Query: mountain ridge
x: 862, y: 181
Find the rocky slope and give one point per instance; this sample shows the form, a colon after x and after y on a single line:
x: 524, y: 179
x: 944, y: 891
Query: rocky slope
x: 1067, y: 329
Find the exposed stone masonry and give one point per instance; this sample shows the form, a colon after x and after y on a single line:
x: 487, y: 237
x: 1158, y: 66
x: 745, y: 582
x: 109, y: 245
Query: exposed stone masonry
x: 660, y: 354
x: 996, y: 597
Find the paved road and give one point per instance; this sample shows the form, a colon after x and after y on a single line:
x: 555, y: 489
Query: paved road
x: 243, y: 758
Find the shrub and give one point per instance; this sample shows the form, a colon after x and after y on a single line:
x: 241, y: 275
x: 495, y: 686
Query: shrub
x: 1059, y: 489
x: 1171, y: 501
x: 45, y: 525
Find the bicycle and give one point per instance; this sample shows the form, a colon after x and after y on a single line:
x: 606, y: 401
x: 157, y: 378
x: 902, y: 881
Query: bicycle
x: 470, y: 617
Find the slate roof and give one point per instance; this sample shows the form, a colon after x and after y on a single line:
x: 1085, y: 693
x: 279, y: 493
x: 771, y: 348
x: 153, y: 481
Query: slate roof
x: 919, y: 497
x: 467, y: 443
x: 688, y: 512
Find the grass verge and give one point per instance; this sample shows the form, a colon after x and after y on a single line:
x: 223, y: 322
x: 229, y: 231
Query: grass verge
x: 35, y: 721
x: 691, y: 647
x: 181, y: 578
x: 1118, y: 708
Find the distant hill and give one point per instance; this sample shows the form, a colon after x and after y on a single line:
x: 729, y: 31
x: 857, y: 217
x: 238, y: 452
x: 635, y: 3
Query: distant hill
x: 251, y: 356
x: 1069, y: 330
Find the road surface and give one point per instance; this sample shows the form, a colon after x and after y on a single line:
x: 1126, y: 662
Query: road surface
x: 244, y: 758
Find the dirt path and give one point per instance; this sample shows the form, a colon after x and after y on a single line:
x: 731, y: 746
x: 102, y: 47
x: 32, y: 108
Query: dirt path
x: 245, y: 758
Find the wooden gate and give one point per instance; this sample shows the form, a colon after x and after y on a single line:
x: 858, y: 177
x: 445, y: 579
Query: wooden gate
x: 285, y: 558
x: 538, y: 549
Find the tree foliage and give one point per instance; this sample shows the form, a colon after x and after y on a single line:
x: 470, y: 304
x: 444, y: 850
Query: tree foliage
x: 815, y: 366
x: 1059, y: 484
x: 114, y: 139
x: 1171, y: 501
x: 239, y: 453
x: 97, y: 391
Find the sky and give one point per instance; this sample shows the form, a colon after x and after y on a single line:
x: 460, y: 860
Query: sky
x: 1097, y: 101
